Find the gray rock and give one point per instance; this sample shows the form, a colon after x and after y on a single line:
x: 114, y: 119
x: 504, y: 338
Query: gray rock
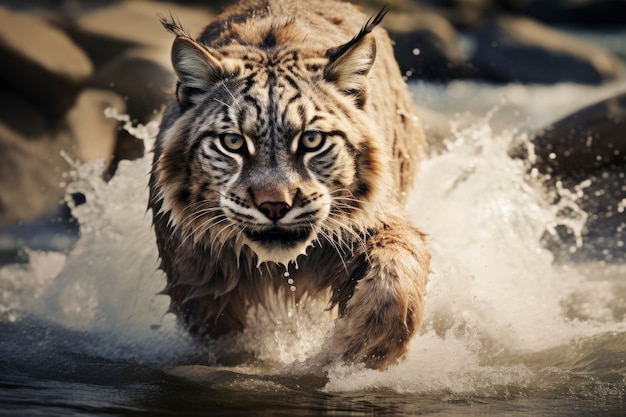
x: 31, y: 168
x: 586, y: 140
x: 579, y: 12
x: 93, y: 134
x: 522, y: 50
x: 142, y: 76
x: 21, y: 115
x: 602, y: 199
x: 40, y: 62
x: 585, y: 153
x: 426, y: 45
x: 31, y: 171
x: 134, y: 23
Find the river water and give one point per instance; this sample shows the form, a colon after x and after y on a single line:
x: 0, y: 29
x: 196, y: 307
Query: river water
x: 508, y: 330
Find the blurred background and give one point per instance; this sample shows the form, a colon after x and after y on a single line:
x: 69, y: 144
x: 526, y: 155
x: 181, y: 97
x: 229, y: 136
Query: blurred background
x: 65, y: 61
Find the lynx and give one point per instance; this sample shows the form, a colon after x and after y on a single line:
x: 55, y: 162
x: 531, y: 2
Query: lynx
x: 288, y: 147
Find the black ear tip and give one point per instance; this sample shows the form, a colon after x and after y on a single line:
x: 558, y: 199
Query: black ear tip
x: 371, y: 23
x: 171, y: 25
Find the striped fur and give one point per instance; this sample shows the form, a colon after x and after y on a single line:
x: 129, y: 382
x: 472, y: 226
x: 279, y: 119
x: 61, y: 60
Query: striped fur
x: 289, y: 145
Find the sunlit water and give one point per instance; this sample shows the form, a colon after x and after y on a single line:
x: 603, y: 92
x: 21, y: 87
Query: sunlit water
x: 507, y: 329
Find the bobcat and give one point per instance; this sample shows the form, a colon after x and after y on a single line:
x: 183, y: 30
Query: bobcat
x: 288, y: 148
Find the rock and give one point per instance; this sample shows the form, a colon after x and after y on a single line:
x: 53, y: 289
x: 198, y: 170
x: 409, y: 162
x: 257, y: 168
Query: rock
x: 40, y: 63
x: 93, y: 134
x: 141, y: 77
x: 584, y: 158
x: 132, y: 50
x: 31, y: 171
x: 426, y: 45
x: 21, y: 115
x: 466, y: 14
x: 522, y: 50
x: 586, y: 140
x: 578, y: 12
x: 601, y: 206
x: 134, y: 23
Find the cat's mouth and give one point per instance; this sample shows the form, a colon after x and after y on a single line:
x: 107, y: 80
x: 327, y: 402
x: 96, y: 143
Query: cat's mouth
x: 278, y: 236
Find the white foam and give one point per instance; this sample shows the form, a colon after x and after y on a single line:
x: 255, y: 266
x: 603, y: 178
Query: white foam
x: 494, y: 290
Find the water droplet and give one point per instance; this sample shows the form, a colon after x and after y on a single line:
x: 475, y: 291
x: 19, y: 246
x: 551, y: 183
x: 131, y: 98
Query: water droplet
x: 290, y: 281
x: 293, y: 288
x: 286, y: 274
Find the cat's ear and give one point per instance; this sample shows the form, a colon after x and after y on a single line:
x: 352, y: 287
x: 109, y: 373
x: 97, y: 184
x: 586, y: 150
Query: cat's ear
x: 349, y: 64
x: 196, y: 68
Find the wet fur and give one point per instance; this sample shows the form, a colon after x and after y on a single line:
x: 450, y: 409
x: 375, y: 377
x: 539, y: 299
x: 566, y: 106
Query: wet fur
x: 366, y: 258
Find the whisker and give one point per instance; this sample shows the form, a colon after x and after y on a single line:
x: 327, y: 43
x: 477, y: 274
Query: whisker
x: 232, y: 96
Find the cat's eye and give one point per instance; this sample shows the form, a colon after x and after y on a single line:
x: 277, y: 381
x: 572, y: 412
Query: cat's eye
x: 233, y: 142
x: 312, y: 140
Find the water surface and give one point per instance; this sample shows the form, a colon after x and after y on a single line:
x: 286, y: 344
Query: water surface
x: 508, y: 330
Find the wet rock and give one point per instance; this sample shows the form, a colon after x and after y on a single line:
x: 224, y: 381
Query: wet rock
x: 583, y: 157
x: 138, y: 76
x: 32, y: 168
x: 93, y: 134
x: 585, y: 12
x: 426, y: 45
x: 597, y: 198
x: 133, y: 23
x: 588, y: 139
x: 522, y: 50
x: 31, y: 171
x: 466, y: 14
x: 20, y: 115
x: 40, y: 62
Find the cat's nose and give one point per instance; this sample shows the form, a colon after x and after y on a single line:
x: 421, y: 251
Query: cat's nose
x: 274, y: 210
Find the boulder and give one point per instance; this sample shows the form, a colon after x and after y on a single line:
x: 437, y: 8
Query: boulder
x: 426, y: 45
x: 142, y: 76
x: 21, y: 115
x: 465, y: 14
x: 601, y: 206
x: 522, y: 50
x: 133, y: 23
x: 31, y: 173
x: 573, y: 12
x: 583, y: 156
x: 40, y: 62
x: 93, y: 134
x: 586, y: 140
x: 32, y: 168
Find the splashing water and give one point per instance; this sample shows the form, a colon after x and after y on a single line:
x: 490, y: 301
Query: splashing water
x: 499, y: 310
x: 496, y: 297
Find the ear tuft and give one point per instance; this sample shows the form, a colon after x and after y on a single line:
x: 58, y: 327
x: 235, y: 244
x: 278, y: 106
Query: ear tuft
x: 349, y: 71
x: 350, y: 63
x: 195, y: 66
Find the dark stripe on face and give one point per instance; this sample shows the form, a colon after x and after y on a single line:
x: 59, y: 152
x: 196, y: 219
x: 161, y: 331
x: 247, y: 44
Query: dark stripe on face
x: 291, y: 82
x: 213, y: 146
x: 272, y: 114
x: 324, y: 153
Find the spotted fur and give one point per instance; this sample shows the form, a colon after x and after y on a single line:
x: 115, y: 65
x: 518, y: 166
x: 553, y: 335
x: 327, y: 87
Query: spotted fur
x: 288, y: 146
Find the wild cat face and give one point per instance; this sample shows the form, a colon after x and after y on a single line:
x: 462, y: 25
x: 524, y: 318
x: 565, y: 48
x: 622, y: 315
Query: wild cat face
x: 268, y: 148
